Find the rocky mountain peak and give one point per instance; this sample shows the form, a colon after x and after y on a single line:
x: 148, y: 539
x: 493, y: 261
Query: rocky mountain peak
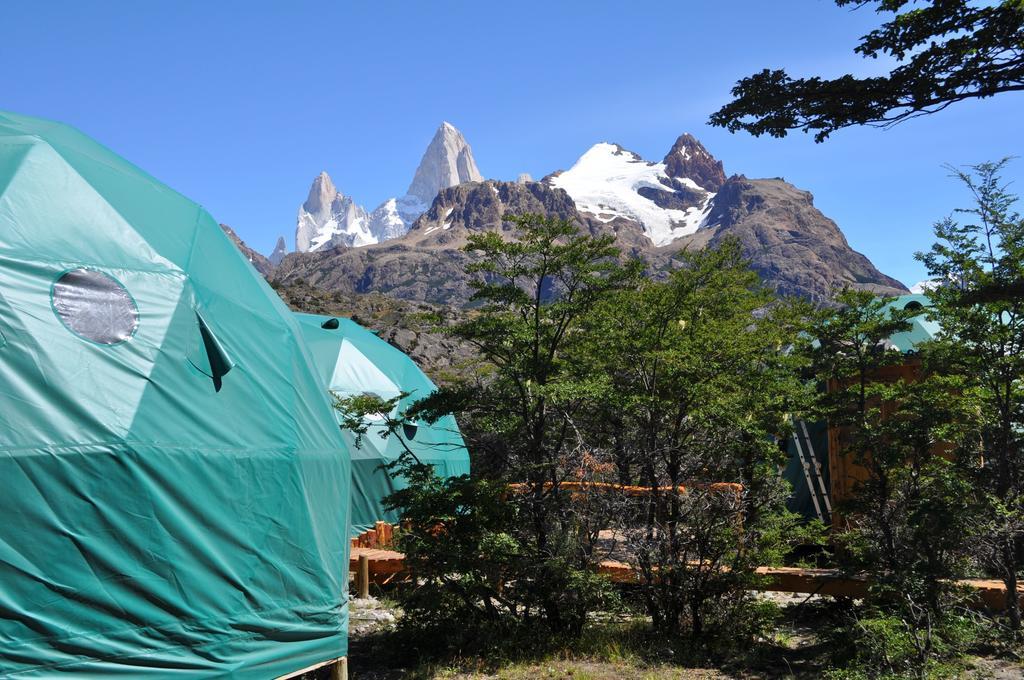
x: 280, y: 250
x: 448, y: 161
x: 689, y: 159
x: 610, y: 183
x: 329, y: 219
x: 321, y: 193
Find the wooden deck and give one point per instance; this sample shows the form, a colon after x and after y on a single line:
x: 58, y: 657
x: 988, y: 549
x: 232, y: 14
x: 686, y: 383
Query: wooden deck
x: 385, y: 565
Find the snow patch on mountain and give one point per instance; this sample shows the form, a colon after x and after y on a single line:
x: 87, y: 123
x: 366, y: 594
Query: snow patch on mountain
x: 606, y: 181
x: 386, y: 221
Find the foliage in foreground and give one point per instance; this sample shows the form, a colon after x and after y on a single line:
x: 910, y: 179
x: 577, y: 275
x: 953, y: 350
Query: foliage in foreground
x: 472, y: 578
x: 980, y: 307
x: 696, y: 393
x: 600, y: 379
x: 940, y: 442
x: 944, y: 52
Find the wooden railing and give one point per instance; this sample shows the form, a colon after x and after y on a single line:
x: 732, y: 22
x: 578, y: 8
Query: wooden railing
x: 581, y: 487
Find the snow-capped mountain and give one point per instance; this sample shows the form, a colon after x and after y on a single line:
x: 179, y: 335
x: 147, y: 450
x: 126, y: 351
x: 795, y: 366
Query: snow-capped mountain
x: 924, y: 287
x: 413, y: 245
x: 329, y: 218
x: 609, y: 182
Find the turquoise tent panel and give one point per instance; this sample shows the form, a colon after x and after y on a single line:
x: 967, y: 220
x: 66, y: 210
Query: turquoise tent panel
x: 352, y: 361
x: 175, y: 493
x: 922, y: 329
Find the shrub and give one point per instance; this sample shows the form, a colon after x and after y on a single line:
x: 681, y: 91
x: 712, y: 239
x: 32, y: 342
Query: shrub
x: 474, y: 580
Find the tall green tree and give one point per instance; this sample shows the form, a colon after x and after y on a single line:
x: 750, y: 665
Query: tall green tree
x: 698, y: 386
x: 978, y: 264
x: 534, y: 293
x: 946, y: 51
x: 909, y: 519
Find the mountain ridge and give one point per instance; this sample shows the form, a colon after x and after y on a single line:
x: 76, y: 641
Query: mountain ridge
x: 329, y: 218
x: 654, y: 209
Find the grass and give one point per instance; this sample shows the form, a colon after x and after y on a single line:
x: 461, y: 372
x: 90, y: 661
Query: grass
x: 625, y: 647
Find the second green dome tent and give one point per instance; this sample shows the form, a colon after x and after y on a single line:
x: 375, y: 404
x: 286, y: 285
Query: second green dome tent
x: 353, y: 361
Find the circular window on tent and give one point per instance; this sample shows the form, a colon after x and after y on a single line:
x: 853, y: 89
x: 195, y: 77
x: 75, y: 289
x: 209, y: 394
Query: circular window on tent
x: 95, y: 306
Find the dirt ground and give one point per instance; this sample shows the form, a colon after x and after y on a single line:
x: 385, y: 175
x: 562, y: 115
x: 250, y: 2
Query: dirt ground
x: 798, y: 656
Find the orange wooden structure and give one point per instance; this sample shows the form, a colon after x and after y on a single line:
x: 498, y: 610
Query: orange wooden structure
x: 577, y: 490
x: 381, y: 535
x: 844, y: 471
x: 580, y: 487
x: 384, y: 566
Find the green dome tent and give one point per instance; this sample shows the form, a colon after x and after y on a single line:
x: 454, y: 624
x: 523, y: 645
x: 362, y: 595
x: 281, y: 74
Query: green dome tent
x: 354, y: 361
x: 175, y: 492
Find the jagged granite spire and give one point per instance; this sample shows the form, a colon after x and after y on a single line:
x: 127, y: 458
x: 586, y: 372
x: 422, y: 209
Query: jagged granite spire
x: 448, y: 161
x: 280, y: 250
x: 329, y: 219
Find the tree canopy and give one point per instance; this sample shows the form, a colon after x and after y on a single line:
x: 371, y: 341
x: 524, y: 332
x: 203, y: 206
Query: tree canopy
x: 946, y: 51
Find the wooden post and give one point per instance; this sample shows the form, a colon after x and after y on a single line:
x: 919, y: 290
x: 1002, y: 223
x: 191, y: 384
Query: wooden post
x: 363, y: 577
x: 339, y: 671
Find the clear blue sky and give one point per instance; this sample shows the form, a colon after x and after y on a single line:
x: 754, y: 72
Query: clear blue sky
x: 240, y: 104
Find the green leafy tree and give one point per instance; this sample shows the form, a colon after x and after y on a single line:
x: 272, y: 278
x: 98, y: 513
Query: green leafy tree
x: 521, y: 418
x: 461, y: 557
x: 698, y: 387
x: 909, y: 521
x: 979, y: 304
x: 946, y: 51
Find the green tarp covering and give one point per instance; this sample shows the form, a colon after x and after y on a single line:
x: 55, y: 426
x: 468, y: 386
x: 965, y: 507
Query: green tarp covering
x: 354, y: 361
x: 175, y: 490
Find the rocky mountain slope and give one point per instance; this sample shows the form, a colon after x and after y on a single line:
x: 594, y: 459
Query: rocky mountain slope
x: 416, y: 328
x: 261, y: 262
x: 789, y: 241
x: 329, y: 218
x: 654, y: 209
x: 427, y: 263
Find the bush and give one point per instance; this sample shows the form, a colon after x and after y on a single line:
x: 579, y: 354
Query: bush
x: 474, y: 580
x: 870, y: 643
